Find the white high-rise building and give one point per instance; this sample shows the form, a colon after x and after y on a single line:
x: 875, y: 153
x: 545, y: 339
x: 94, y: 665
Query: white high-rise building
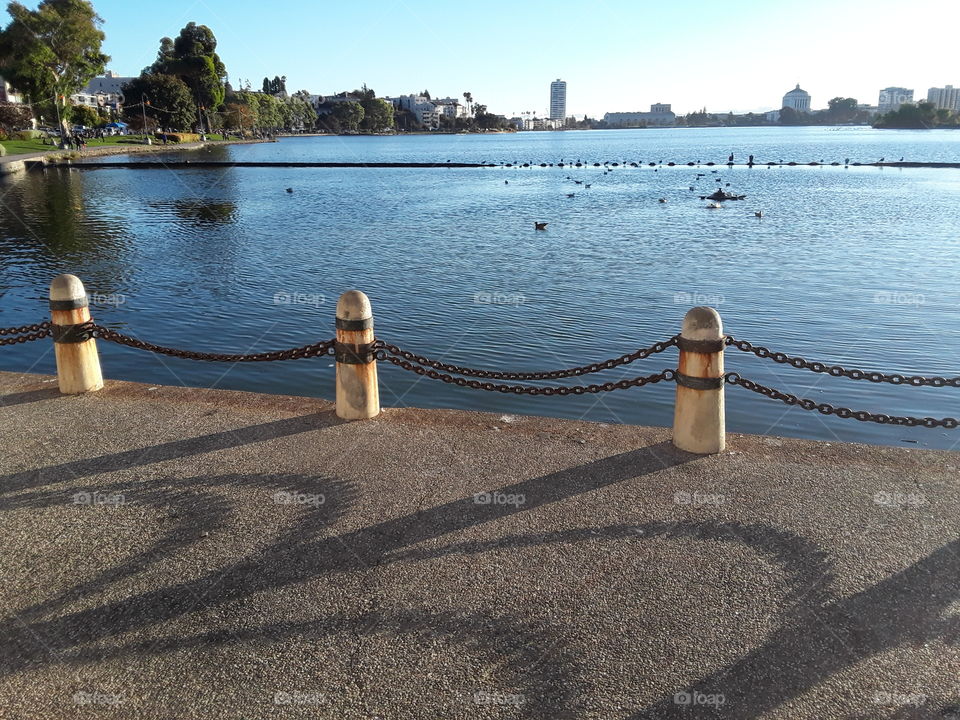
x: 558, y: 100
x: 946, y: 97
x: 892, y: 98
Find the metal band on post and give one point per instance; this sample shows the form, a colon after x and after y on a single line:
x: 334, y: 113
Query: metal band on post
x: 363, y: 324
x: 78, y: 333
x: 353, y: 354
x: 698, y: 383
x: 78, y: 364
x: 69, y: 304
x: 698, y: 418
x: 358, y: 394
x: 701, y: 346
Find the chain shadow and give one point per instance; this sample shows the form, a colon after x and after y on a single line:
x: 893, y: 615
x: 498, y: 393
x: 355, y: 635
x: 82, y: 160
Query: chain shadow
x: 198, y: 511
x: 298, y: 556
x: 905, y: 609
x: 819, y: 635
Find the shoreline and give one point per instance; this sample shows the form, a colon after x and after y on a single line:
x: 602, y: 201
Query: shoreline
x: 16, y: 163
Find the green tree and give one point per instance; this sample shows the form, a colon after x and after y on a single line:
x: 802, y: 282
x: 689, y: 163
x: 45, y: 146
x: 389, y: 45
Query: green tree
x: 193, y: 58
x: 50, y: 53
x: 789, y: 116
x: 841, y: 110
x: 85, y: 115
x: 238, y: 116
x: 907, y: 116
x: 299, y: 111
x: 266, y: 85
x: 377, y: 115
x: 349, y: 115
x: 170, y: 101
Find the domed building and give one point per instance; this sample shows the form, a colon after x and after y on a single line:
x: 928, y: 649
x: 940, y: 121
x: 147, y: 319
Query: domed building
x: 797, y: 99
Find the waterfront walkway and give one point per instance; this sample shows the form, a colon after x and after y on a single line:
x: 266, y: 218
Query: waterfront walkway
x: 187, y: 553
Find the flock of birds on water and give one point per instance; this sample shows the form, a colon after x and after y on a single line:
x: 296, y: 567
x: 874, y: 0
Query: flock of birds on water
x: 608, y: 167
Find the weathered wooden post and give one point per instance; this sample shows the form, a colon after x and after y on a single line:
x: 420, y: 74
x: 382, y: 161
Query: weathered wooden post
x: 698, y: 417
x: 78, y: 364
x: 358, y: 396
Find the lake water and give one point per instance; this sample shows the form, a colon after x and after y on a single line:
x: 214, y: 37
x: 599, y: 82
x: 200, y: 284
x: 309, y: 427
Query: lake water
x: 856, y: 266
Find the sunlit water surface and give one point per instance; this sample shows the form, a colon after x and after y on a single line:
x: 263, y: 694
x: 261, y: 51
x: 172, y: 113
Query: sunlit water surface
x: 856, y: 266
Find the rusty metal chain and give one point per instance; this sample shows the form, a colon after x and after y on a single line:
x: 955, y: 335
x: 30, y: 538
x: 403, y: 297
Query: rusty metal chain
x: 733, y: 378
x: 26, y: 333
x: 530, y: 389
x: 306, y: 351
x: 384, y: 350
x: 838, y: 371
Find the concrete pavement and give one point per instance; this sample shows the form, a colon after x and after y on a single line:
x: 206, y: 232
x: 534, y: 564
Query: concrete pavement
x: 184, y: 553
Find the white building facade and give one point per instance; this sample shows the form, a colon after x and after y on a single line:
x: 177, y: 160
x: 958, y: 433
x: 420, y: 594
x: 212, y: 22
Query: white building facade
x: 558, y: 100
x: 945, y: 98
x: 103, y: 92
x: 660, y: 115
x: 892, y: 98
x: 797, y: 99
x: 427, y: 113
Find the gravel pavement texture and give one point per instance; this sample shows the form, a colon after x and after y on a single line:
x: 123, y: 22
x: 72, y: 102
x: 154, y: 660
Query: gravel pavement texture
x: 184, y: 553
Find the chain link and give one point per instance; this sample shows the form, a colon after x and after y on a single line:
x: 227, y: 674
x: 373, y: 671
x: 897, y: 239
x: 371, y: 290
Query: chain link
x: 838, y: 371
x: 27, y: 333
x: 306, y: 351
x: 383, y: 350
x: 733, y: 378
x: 530, y: 389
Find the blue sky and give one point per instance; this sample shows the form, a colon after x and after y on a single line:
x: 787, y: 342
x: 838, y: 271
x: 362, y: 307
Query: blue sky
x: 615, y: 55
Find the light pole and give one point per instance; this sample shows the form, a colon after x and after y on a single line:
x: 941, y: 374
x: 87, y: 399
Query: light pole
x: 143, y: 111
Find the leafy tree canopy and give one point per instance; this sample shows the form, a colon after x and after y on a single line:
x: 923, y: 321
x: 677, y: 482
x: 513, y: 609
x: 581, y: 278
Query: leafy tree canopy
x: 192, y: 57
x: 168, y: 101
x: 53, y: 51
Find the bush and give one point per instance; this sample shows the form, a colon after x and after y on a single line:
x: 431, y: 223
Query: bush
x: 31, y: 135
x: 3, y: 151
x: 3, y: 134
x: 179, y: 137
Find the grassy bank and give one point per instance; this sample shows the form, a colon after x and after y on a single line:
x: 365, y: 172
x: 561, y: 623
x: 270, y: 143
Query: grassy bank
x: 24, y: 147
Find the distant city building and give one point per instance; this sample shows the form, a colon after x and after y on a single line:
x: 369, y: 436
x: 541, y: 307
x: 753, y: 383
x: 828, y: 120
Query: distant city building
x: 772, y: 116
x: 797, y: 99
x: 660, y: 115
x: 542, y: 124
x: 451, y: 107
x: 892, y: 98
x: 103, y: 92
x: 946, y: 97
x: 558, y: 100
x: 427, y: 112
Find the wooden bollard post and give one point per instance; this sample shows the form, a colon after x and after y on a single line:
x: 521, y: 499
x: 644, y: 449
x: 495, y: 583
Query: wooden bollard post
x: 698, y: 417
x: 78, y: 364
x: 358, y: 396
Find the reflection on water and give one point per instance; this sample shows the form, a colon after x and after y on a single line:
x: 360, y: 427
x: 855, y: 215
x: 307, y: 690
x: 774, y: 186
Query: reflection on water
x: 199, y: 213
x: 853, y: 266
x: 50, y: 223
